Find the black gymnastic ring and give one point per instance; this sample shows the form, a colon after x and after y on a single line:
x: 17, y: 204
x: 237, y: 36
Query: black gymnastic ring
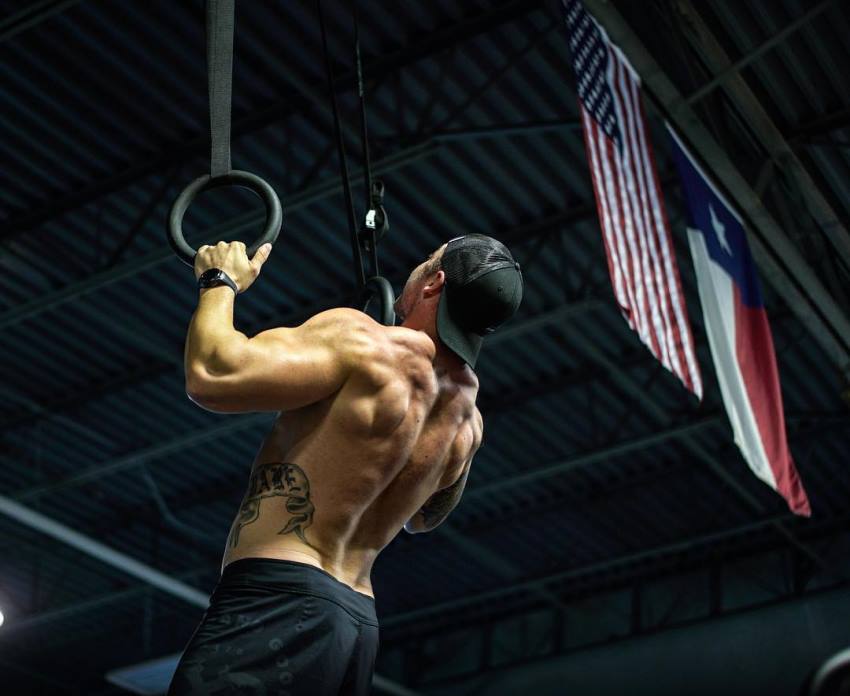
x: 377, y: 285
x: 235, y: 177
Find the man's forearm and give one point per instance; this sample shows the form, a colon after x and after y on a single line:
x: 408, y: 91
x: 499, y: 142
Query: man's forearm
x: 211, y: 336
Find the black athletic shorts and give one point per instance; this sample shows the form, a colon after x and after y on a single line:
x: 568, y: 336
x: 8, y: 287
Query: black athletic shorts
x: 280, y: 628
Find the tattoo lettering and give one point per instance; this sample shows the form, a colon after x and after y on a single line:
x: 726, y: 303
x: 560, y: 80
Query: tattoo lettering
x: 277, y: 479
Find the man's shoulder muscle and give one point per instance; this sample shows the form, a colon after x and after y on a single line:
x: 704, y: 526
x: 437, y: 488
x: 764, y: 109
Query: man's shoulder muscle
x: 370, y: 348
x: 351, y: 336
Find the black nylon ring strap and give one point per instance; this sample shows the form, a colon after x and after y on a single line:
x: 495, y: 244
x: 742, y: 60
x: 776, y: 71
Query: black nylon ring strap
x: 359, y: 273
x: 368, y: 234
x: 220, y: 29
x: 367, y: 290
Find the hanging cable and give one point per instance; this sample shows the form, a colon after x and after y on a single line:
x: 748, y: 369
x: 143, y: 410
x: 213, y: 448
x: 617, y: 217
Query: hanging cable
x: 359, y: 272
x: 376, y: 224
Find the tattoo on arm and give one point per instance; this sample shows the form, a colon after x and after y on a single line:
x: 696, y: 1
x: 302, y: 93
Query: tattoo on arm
x: 277, y: 479
x: 439, y: 505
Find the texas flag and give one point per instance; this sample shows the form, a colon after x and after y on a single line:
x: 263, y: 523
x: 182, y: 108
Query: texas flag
x: 738, y: 332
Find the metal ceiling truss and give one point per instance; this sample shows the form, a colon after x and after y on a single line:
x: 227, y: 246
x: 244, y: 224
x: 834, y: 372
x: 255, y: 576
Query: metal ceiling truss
x: 630, y: 607
x: 820, y: 126
x: 777, y: 257
x: 584, y: 580
x: 761, y: 125
x: 733, y: 70
x: 655, y: 414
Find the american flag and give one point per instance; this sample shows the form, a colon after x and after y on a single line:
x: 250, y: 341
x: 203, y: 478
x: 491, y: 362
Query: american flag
x: 641, y: 260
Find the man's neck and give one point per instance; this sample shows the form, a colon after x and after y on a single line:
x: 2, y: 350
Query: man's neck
x: 444, y: 358
x: 447, y: 359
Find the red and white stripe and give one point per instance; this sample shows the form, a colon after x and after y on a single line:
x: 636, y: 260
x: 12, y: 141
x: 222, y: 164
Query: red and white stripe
x: 641, y: 259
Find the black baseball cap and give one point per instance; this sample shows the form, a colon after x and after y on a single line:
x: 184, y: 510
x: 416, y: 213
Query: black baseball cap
x: 483, y: 289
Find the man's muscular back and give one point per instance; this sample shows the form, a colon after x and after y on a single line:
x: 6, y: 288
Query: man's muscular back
x: 338, y: 477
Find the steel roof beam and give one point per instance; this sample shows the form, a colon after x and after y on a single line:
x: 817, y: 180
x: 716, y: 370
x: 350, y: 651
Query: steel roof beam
x: 59, y: 406
x: 821, y: 125
x: 37, y: 410
x: 494, y: 74
x: 734, y: 69
x: 606, y: 565
x: 495, y: 130
x: 585, y: 459
x: 506, y: 568
x: 31, y: 16
x: 141, y: 571
x: 764, y: 129
x: 666, y: 555
x: 69, y: 611
x: 457, y: 33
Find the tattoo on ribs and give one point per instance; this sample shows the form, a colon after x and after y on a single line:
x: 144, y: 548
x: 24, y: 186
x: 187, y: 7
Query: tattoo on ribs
x: 439, y: 505
x: 278, y: 479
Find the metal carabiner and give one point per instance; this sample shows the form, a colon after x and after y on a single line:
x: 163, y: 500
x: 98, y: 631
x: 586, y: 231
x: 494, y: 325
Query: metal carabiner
x: 377, y: 223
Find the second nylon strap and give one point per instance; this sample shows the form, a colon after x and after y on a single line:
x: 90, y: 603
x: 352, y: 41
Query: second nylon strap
x: 367, y: 163
x: 359, y: 272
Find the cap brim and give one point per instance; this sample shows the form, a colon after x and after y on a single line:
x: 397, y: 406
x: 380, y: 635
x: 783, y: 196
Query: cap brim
x: 466, y: 344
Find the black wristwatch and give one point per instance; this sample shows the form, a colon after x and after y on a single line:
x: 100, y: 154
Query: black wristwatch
x: 214, y: 277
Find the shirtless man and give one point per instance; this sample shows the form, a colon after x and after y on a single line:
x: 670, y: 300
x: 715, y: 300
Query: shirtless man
x: 376, y: 431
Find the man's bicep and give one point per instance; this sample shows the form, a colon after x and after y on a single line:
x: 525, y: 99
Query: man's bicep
x: 286, y: 369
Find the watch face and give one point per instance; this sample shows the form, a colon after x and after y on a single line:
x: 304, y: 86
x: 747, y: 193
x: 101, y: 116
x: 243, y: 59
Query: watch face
x: 210, y: 277
x: 214, y: 277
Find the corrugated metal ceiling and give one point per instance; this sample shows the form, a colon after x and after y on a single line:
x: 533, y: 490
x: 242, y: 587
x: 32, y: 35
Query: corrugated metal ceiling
x: 472, y: 111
